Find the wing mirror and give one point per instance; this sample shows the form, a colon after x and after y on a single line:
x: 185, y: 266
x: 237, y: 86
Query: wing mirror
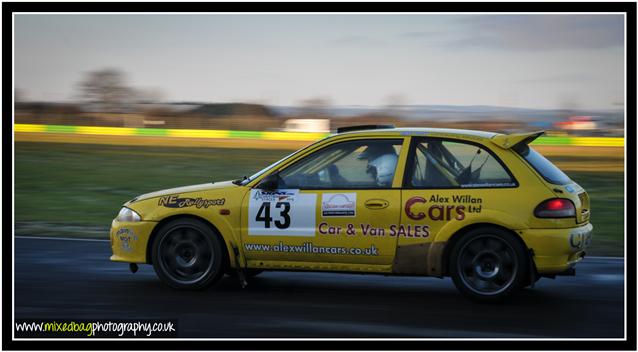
x: 270, y: 182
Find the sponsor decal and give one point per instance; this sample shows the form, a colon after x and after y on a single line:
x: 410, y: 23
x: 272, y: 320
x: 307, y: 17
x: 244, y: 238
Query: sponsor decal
x: 177, y: 202
x: 275, y: 196
x: 410, y: 231
x: 580, y: 240
x: 472, y: 204
x: 408, y: 208
x: 338, y: 204
x: 326, y: 229
x: 466, y: 199
x: 125, y: 236
x: 310, y: 248
x: 488, y: 185
x: 367, y: 230
x: 284, y: 212
x: 443, y: 212
x: 435, y: 212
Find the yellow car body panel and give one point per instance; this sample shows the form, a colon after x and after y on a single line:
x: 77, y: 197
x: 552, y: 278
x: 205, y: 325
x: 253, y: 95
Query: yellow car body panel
x: 383, y: 230
x: 129, y: 239
x: 199, y: 201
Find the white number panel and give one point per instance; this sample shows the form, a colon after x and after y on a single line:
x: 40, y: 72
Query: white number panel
x: 284, y: 212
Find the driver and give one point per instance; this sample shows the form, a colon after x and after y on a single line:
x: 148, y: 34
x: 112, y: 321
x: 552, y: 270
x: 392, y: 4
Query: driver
x: 382, y: 161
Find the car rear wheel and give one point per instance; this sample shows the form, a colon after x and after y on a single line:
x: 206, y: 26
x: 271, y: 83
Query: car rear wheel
x: 488, y: 264
x: 187, y: 254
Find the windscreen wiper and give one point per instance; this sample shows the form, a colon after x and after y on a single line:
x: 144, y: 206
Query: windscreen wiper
x: 239, y: 181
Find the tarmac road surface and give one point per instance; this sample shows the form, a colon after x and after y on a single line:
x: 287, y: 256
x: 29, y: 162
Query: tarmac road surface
x: 74, y: 279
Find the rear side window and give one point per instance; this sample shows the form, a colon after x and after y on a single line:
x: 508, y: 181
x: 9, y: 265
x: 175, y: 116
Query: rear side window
x: 544, y: 167
x: 439, y: 163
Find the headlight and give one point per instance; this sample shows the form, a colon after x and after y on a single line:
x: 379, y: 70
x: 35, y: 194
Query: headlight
x: 128, y: 215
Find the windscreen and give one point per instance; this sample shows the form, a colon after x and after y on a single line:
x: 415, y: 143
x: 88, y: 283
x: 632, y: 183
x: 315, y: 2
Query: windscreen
x: 254, y: 176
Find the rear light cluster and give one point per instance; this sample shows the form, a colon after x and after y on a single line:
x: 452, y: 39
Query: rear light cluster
x: 555, y: 208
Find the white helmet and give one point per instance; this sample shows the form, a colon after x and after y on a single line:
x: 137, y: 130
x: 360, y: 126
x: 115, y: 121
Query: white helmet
x: 382, y: 161
x: 384, y: 166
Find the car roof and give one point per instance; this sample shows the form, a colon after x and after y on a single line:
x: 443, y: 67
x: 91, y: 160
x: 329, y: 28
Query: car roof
x: 421, y: 131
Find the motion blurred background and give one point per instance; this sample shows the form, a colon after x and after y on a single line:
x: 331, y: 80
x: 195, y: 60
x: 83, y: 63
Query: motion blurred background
x: 111, y: 106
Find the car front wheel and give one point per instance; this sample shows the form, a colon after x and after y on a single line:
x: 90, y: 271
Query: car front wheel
x: 187, y: 254
x: 488, y: 264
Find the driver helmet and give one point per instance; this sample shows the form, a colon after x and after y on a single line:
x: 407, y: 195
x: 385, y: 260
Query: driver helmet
x: 382, y: 161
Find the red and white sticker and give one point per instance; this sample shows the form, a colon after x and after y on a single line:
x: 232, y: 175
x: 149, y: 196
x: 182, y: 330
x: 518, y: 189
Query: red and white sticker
x: 339, y: 204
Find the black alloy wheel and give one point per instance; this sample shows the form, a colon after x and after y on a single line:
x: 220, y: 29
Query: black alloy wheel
x: 187, y: 254
x: 489, y: 264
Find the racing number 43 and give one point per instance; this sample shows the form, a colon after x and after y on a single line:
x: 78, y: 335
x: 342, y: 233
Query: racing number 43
x: 264, y: 215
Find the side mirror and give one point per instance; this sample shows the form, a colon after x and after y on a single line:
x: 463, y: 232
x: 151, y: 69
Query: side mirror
x: 270, y: 182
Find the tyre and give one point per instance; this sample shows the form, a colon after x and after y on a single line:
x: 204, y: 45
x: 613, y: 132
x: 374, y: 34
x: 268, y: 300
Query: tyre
x: 488, y: 264
x: 188, y: 254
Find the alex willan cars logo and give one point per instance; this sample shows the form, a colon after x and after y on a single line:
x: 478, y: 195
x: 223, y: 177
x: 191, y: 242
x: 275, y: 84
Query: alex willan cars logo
x: 338, y: 204
x: 436, y: 212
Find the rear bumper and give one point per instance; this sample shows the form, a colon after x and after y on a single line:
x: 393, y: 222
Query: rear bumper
x: 558, y: 250
x: 129, y: 240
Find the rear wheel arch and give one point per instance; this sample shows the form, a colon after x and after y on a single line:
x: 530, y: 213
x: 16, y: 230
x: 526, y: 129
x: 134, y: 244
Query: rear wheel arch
x: 452, y: 240
x: 161, y: 223
x: 488, y: 263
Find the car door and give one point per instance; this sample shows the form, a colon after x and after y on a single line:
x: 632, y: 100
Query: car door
x: 445, y: 181
x: 339, y: 204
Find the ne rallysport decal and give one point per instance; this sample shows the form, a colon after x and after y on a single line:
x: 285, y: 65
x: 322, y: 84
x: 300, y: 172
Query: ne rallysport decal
x: 176, y: 202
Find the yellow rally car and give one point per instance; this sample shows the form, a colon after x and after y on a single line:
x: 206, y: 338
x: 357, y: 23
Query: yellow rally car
x: 483, y: 208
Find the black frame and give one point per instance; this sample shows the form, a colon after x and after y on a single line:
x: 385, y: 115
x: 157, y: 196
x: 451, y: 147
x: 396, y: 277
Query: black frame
x: 409, y: 163
x: 530, y: 343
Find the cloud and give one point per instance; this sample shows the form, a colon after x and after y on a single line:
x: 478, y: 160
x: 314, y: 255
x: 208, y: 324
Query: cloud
x: 421, y: 34
x: 540, y: 32
x: 357, y: 41
x: 526, y: 32
x: 571, y: 78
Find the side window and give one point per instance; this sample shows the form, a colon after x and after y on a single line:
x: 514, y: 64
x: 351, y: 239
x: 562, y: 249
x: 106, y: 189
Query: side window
x: 354, y: 164
x: 447, y: 164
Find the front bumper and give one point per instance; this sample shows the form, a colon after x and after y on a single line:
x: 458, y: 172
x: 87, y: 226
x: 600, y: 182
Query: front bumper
x: 129, y: 240
x: 557, y: 250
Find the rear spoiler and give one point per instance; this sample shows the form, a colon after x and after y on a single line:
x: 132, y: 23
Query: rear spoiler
x: 510, y: 141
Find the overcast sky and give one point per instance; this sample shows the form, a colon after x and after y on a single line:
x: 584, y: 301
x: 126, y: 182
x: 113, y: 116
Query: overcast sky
x: 537, y: 61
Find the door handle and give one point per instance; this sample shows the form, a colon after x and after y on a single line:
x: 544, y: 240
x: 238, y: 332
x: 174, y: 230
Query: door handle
x: 377, y: 203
